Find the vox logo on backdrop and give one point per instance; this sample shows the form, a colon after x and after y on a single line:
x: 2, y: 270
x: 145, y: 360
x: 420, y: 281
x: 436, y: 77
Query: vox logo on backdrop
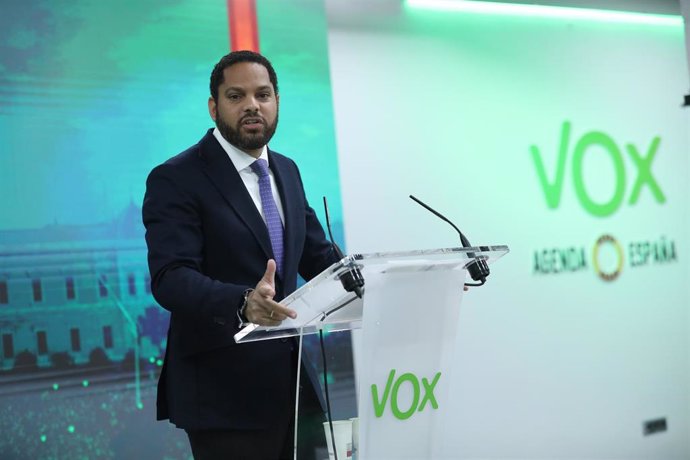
x: 416, y: 404
x: 639, y: 157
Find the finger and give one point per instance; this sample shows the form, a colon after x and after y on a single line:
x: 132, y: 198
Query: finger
x: 259, y: 307
x: 270, y: 274
x: 281, y: 312
x: 262, y: 305
x: 272, y: 318
x: 266, y: 285
x: 275, y: 321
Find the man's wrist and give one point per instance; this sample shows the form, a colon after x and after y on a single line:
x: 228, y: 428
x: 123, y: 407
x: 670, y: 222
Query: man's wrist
x: 241, y: 311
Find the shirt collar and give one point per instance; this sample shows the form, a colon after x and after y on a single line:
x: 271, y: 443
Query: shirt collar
x: 241, y: 160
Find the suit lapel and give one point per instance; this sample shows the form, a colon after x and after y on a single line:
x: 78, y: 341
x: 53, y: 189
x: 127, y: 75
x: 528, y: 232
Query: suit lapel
x: 290, y: 199
x: 222, y: 173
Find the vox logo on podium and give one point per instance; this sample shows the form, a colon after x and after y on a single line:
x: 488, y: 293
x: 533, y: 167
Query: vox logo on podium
x: 593, y: 141
x: 390, y: 393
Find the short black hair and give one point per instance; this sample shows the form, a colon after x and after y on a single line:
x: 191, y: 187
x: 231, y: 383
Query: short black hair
x: 235, y: 57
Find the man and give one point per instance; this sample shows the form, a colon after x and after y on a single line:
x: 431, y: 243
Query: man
x: 226, y: 240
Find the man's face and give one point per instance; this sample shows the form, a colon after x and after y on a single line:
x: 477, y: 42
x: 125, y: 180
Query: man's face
x: 246, y: 112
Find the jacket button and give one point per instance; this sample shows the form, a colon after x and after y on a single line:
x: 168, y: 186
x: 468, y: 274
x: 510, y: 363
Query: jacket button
x: 219, y: 320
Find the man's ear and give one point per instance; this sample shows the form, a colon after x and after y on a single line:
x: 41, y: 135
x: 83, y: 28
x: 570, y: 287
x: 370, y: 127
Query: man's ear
x: 212, y: 110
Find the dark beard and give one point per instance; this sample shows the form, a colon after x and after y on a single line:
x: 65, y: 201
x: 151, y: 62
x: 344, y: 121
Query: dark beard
x: 246, y: 142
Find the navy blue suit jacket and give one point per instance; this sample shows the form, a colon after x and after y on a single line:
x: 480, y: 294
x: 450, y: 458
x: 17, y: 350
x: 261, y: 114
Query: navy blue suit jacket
x: 207, y: 244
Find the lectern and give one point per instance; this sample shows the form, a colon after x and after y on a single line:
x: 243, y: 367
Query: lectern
x: 409, y: 316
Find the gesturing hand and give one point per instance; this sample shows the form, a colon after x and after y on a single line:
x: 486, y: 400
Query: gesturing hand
x: 261, y: 308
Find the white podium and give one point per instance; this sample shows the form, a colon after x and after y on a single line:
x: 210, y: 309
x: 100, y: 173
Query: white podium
x: 409, y: 316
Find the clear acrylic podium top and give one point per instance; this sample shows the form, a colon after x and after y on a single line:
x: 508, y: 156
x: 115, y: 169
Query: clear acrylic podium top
x: 323, y: 301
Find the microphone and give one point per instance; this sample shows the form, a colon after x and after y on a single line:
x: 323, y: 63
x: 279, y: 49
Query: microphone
x: 352, y: 280
x: 478, y: 268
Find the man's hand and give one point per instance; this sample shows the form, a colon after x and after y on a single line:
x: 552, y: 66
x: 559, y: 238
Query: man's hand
x: 261, y: 308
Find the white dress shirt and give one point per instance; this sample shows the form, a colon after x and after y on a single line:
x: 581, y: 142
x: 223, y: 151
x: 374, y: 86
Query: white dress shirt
x: 242, y: 162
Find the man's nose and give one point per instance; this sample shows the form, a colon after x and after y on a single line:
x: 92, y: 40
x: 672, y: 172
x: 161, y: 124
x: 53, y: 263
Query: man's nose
x: 251, y: 105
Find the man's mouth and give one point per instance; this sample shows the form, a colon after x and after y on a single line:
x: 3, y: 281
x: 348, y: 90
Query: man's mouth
x: 252, y: 123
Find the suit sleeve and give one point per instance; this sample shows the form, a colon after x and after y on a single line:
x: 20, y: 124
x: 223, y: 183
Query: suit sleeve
x: 174, y: 236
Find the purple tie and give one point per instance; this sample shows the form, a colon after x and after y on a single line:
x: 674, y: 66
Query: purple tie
x: 275, y: 226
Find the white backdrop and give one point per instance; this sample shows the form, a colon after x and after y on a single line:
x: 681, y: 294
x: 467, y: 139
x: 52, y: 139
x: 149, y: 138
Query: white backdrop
x: 447, y: 106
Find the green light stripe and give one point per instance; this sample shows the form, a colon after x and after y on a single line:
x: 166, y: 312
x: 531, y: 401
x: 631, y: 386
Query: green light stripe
x: 547, y: 11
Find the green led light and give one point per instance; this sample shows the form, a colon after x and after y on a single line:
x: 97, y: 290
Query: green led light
x: 56, y: 387
x: 43, y: 438
x: 70, y: 428
x: 517, y: 9
x: 159, y: 363
x: 85, y: 383
x: 152, y: 360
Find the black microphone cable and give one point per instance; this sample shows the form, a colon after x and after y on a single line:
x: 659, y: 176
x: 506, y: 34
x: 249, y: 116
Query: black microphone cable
x: 478, y: 268
x: 325, y: 388
x: 352, y: 281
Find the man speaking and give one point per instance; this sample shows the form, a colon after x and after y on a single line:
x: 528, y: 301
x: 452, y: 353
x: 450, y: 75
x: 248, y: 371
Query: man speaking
x: 228, y: 230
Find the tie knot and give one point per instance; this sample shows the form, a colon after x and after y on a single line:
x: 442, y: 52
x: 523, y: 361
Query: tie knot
x: 260, y: 167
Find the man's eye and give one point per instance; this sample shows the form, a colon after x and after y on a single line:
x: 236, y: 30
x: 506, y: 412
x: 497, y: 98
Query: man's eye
x: 264, y: 95
x: 234, y: 97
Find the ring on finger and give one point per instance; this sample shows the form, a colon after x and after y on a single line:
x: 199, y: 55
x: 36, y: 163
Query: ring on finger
x: 271, y: 315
